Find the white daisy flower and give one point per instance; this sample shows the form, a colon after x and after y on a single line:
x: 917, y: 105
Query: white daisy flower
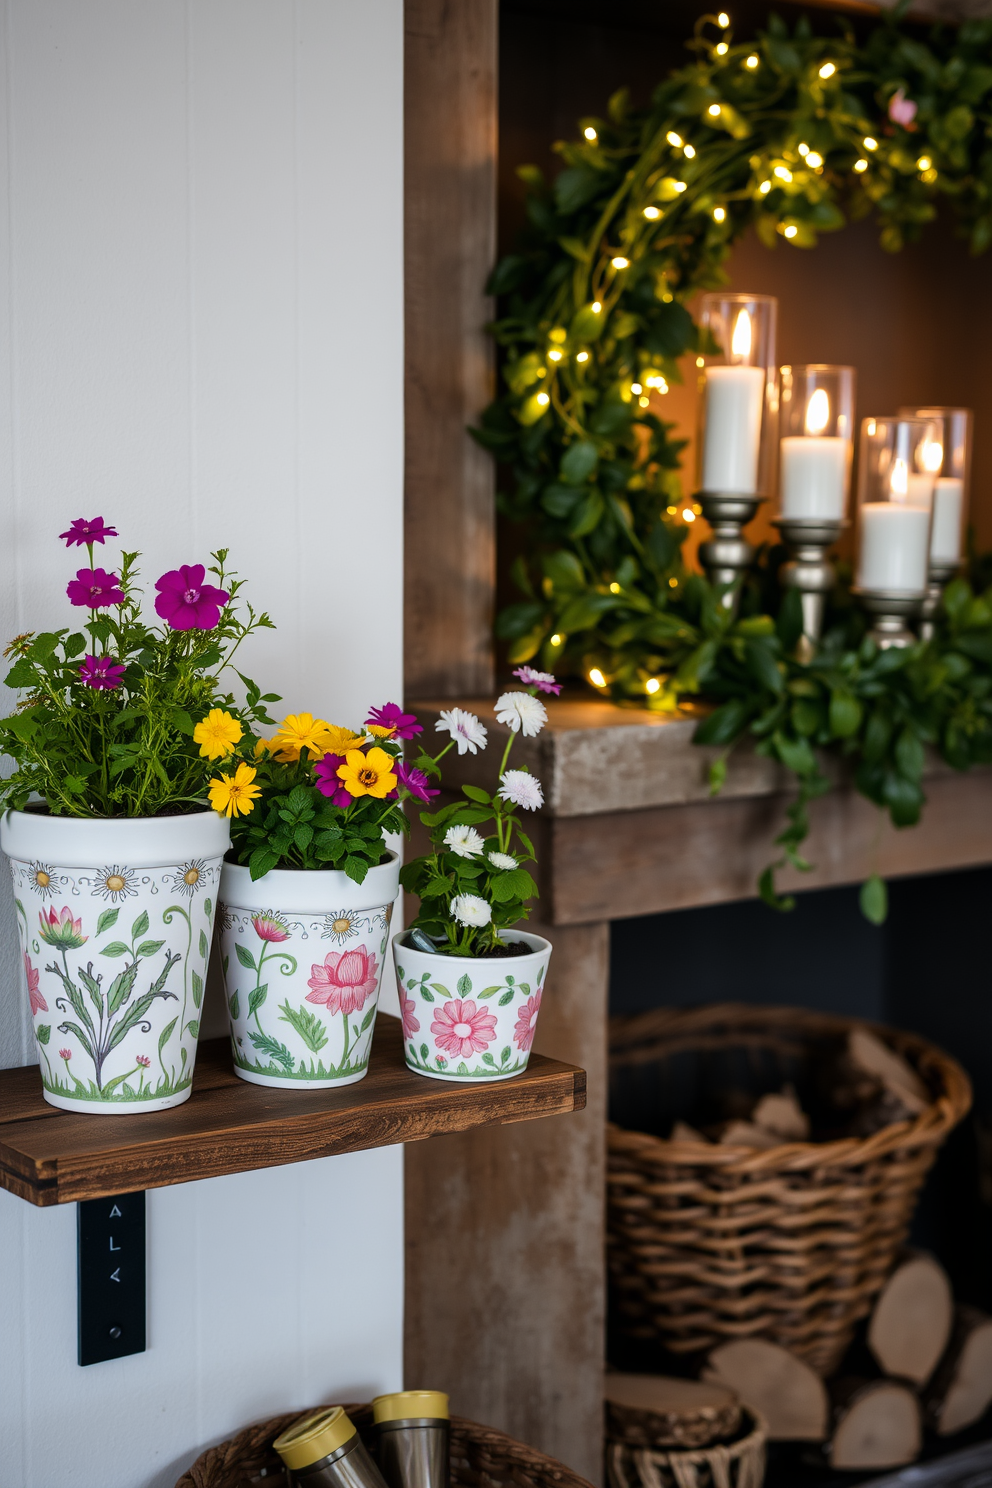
x: 522, y: 788
x: 503, y: 860
x: 521, y: 713
x: 465, y: 841
x: 466, y: 730
x: 470, y: 909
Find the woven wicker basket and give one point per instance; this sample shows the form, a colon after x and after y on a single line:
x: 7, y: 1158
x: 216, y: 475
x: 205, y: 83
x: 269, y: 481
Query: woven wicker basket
x: 710, y: 1242
x: 480, y: 1458
x: 737, y: 1464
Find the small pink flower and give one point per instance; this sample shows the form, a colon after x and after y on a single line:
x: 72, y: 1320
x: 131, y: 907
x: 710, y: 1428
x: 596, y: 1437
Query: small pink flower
x: 410, y: 1023
x: 81, y: 532
x: 346, y: 980
x: 543, y: 681
x: 523, y: 1031
x: 144, y: 1060
x: 327, y: 782
x: 902, y: 110
x: 95, y: 588
x: 463, y: 1029
x: 60, y: 929
x: 102, y: 673
x: 440, y: 1061
x: 268, y: 927
x: 38, y: 1003
x: 185, y: 602
x: 65, y: 1053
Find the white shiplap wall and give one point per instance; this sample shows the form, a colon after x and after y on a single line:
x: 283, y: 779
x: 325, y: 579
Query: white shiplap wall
x: 201, y: 336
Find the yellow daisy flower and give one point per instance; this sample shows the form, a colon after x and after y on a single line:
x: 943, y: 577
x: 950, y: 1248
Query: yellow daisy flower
x: 217, y: 734
x: 340, y: 739
x: 299, y: 731
x: 234, y: 795
x: 369, y: 774
x: 378, y: 732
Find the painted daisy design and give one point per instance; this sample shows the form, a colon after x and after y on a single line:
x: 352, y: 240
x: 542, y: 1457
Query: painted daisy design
x: 115, y: 883
x: 341, y: 926
x: 43, y: 879
x: 188, y: 878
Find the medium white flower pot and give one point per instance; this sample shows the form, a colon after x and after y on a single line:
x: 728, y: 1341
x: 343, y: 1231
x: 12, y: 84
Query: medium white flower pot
x: 115, y: 918
x: 303, y: 955
x: 469, y: 1018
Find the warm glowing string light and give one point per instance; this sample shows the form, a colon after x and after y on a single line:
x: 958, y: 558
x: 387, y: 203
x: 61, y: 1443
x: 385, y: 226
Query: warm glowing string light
x: 714, y: 111
x: 614, y: 588
x: 924, y: 163
x: 790, y: 231
x: 620, y: 262
x: 721, y: 49
x: 723, y: 20
x: 719, y: 214
x: 675, y: 140
x: 583, y: 356
x: 869, y: 143
x: 783, y: 173
x: 751, y: 61
x: 827, y: 70
x: 652, y: 213
x: 596, y: 307
x: 765, y: 187
x: 803, y: 149
x: 813, y: 160
x: 860, y: 165
x: 556, y: 639
x: 689, y: 152
x: 596, y: 677
x: 652, y: 685
x: 543, y: 399
x: 554, y: 355
x: 590, y: 133
x: 688, y: 515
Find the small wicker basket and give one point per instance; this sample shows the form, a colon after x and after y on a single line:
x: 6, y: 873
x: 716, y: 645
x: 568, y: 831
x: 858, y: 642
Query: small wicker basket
x: 709, y: 1242
x: 736, y: 1464
x: 480, y: 1458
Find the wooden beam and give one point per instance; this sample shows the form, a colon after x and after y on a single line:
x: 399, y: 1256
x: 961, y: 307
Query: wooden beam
x: 450, y: 226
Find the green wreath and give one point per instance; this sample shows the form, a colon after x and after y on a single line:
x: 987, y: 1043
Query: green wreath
x: 793, y: 134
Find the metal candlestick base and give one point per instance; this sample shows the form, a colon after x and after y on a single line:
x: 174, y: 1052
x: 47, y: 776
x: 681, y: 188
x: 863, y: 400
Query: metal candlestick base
x: 891, y: 611
x: 728, y: 554
x: 940, y: 576
x: 810, y: 571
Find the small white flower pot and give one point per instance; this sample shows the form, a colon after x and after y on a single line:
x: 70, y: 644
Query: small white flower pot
x: 467, y: 1018
x: 303, y: 954
x: 115, y: 918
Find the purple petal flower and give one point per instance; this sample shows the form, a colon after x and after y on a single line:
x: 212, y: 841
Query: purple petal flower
x: 391, y: 716
x: 102, y: 673
x: 82, y: 532
x: 326, y: 777
x: 94, y: 588
x: 185, y: 602
x: 414, y: 781
x: 902, y: 110
x: 543, y: 681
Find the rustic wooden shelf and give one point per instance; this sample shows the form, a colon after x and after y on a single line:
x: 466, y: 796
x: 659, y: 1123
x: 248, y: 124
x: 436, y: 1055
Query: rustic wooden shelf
x: 49, y: 1156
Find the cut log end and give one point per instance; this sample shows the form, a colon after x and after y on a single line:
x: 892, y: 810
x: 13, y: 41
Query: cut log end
x: 878, y: 1425
x: 961, y: 1390
x: 653, y: 1410
x: 779, y: 1386
x: 912, y: 1320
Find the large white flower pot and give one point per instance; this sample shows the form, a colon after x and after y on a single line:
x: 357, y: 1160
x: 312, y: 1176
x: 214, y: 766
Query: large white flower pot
x: 302, y: 956
x: 115, y: 918
x: 467, y: 1018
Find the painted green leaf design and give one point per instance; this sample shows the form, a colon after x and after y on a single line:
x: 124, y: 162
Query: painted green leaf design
x: 193, y: 1027
x: 165, y: 1035
x: 43, y: 1032
x: 271, y: 1047
x: 140, y: 925
x: 115, y: 948
x: 488, y: 1059
x: 489, y: 992
x: 150, y: 947
x: 207, y: 907
x: 424, y: 1051
x: 505, y: 1055
x: 464, y: 985
x: 462, y: 1069
x: 368, y: 1020
x: 510, y: 981
x: 245, y: 957
x: 507, y: 997
x: 196, y: 982
x: 235, y: 1007
x: 257, y: 997
x: 441, y: 991
x: 428, y: 996
x: 540, y: 974
x: 204, y: 947
x: 524, y: 988
x: 400, y: 972
x: 107, y: 918
x: 307, y: 1025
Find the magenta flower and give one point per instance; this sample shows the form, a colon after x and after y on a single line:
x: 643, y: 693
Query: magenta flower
x: 414, y: 781
x: 95, y: 588
x: 327, y: 782
x: 38, y: 1003
x: 268, y: 927
x: 185, y: 602
x: 411, y: 1025
x: 102, y: 672
x: 902, y: 110
x: 143, y: 1060
x: 526, y: 1024
x: 391, y: 716
x: 345, y: 982
x: 82, y: 532
x: 543, y: 681
x: 463, y: 1029
x: 65, y: 1053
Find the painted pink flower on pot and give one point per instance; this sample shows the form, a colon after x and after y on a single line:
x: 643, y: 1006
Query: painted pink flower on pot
x: 345, y: 981
x: 270, y: 927
x: 523, y: 1030
x: 411, y: 1025
x: 463, y: 1028
x: 38, y: 1003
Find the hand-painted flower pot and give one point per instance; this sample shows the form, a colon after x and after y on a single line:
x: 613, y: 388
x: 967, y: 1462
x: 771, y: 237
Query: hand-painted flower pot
x: 469, y: 1018
x: 303, y: 954
x: 115, y: 918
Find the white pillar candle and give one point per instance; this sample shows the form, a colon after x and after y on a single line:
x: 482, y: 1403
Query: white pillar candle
x: 894, y: 547
x: 813, y: 476
x: 732, y: 437
x: 945, y: 537
x: 919, y: 489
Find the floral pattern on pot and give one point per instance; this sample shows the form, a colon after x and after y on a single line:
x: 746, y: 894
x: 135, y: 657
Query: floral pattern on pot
x: 466, y: 1018
x: 302, y: 1013
x: 115, y: 964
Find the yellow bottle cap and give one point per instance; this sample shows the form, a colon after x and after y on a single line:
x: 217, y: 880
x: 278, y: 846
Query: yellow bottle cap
x: 410, y: 1405
x: 314, y: 1436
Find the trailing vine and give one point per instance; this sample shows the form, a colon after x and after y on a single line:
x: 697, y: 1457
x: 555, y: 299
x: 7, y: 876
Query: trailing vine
x: 793, y: 134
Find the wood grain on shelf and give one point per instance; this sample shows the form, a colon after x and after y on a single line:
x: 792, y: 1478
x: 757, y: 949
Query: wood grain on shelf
x: 228, y: 1126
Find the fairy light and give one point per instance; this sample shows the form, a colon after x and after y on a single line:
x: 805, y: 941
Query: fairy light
x: 596, y: 677
x: 714, y: 111
x: 543, y: 399
x: 595, y: 307
x: 590, y: 133
x: 583, y: 356
x: 765, y: 187
x: 814, y: 160
x: 652, y: 214
x: 790, y: 231
x: 924, y: 163
x: 721, y: 49
x: 673, y: 583
x: 719, y: 214
x: 675, y: 140
x: 723, y: 20
x: 751, y: 61
x: 672, y: 511
x: 635, y: 387
x: 620, y: 262
x: 860, y: 165
x: 559, y: 334
x: 652, y: 685
x: 542, y: 371
x: 688, y: 515
x: 643, y: 402
x: 554, y: 355
x: 869, y: 143
x: 783, y: 173
x: 827, y: 70
x: 680, y: 186
x: 700, y: 361
x: 556, y: 639
x: 614, y: 588
x: 689, y: 152
x: 803, y: 149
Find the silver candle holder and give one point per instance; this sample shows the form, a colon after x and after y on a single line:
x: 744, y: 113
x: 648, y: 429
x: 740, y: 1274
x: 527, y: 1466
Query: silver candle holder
x: 938, y: 577
x: 810, y: 571
x: 727, y: 555
x: 890, y: 612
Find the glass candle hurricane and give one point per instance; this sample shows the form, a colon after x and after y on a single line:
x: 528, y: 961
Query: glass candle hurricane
x: 951, y: 457
x: 739, y: 418
x: 896, y: 477
x: 817, y: 423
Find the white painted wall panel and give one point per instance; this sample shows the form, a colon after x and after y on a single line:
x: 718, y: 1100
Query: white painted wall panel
x: 201, y: 322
